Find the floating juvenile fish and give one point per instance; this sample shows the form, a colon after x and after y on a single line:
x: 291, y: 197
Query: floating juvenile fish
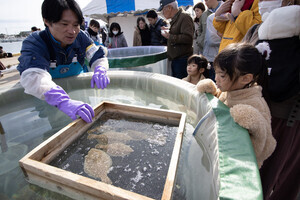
x: 136, y: 135
x: 97, y: 164
x: 100, y: 129
x: 115, y: 149
x: 110, y: 137
x: 158, y: 139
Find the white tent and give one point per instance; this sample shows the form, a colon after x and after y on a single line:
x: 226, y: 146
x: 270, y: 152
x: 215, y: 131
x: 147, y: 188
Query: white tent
x: 105, y: 7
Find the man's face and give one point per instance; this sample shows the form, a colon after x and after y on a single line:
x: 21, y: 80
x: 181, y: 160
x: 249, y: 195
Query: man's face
x: 166, y: 11
x: 95, y: 29
x: 209, y: 3
x: 151, y: 21
x: 66, y: 30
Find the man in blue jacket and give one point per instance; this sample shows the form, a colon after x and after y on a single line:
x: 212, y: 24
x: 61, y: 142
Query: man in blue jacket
x: 156, y: 23
x: 57, y: 52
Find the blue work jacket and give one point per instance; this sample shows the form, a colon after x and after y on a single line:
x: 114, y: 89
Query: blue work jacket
x: 36, y: 54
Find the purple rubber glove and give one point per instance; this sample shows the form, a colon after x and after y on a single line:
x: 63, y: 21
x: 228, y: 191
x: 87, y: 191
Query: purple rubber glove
x: 100, y: 78
x: 56, y: 96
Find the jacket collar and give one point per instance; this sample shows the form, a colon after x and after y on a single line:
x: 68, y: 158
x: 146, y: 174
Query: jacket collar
x: 176, y: 16
x: 247, y: 93
x: 57, y: 44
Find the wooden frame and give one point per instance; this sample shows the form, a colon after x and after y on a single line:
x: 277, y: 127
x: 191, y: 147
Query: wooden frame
x: 36, y: 169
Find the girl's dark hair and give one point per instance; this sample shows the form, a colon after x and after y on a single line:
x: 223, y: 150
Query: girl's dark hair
x: 151, y: 14
x: 201, y: 6
x: 52, y: 10
x: 201, y: 62
x: 238, y: 59
x: 112, y: 26
x: 141, y: 19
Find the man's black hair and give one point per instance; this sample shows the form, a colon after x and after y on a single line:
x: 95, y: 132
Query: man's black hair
x: 52, y: 10
x: 151, y: 14
x: 34, y: 28
x: 94, y: 23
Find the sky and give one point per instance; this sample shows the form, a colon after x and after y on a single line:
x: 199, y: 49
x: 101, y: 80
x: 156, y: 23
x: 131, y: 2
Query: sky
x: 21, y: 15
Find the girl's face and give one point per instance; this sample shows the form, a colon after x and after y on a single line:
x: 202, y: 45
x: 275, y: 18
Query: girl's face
x: 142, y: 25
x: 198, y: 12
x: 192, y: 69
x: 115, y: 29
x: 224, y: 83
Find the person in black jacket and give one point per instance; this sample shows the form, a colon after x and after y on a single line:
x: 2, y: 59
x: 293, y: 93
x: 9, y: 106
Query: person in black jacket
x: 280, y: 175
x: 156, y: 23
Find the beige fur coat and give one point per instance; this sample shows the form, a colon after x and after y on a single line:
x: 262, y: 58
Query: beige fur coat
x: 188, y: 78
x: 249, y: 109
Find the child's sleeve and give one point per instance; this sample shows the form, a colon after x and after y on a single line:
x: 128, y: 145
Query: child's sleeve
x: 259, y: 129
x: 208, y: 86
x: 219, y: 25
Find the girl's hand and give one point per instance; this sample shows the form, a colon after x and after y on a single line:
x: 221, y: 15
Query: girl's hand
x: 207, y: 86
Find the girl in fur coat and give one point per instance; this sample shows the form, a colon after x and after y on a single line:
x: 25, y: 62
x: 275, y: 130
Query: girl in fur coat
x: 239, y: 67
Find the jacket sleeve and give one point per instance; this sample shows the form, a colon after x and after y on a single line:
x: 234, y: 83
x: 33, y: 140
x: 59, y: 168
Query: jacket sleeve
x: 202, y: 31
x: 211, y: 34
x: 106, y: 41
x: 248, y: 18
x: 124, y: 42
x: 136, y: 35
x: 259, y: 129
x: 100, y: 62
x: 163, y: 40
x: 157, y: 28
x: 220, y: 26
x: 36, y: 82
x: 187, y: 29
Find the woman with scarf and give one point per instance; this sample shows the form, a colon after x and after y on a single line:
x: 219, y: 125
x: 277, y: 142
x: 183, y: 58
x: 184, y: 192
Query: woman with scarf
x: 142, y: 35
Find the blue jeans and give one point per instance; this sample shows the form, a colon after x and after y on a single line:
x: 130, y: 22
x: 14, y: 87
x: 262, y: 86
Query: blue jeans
x: 179, y: 67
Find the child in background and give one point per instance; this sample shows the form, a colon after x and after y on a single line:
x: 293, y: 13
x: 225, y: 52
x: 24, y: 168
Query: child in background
x: 93, y: 32
x: 196, y: 69
x: 239, y: 68
x: 116, y: 38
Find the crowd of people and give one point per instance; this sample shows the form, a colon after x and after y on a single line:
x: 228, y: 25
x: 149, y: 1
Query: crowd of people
x: 244, y: 52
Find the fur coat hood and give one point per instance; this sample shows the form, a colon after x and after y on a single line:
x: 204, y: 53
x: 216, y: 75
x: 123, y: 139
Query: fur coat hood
x: 282, y: 22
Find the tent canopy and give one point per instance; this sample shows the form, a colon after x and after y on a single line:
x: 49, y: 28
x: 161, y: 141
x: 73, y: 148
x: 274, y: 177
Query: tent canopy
x: 105, y: 8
